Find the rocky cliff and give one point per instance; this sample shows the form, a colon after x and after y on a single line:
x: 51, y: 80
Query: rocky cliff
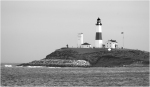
x: 93, y: 57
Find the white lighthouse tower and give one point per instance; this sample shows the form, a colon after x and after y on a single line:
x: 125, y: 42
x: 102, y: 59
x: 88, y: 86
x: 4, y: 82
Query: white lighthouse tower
x: 98, y: 38
x: 80, y: 39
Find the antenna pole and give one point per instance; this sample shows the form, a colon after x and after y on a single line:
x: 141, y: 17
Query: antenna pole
x: 123, y: 39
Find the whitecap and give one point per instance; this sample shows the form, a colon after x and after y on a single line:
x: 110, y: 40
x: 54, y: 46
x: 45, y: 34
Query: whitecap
x: 8, y: 65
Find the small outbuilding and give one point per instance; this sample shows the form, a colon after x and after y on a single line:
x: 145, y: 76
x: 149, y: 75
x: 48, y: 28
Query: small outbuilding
x: 111, y: 44
x: 86, y: 45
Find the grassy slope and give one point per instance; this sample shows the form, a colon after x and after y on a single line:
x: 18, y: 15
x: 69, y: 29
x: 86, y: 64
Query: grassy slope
x: 103, y: 57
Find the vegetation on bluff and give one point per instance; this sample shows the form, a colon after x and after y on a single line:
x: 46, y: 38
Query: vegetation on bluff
x: 98, y: 57
x: 103, y: 57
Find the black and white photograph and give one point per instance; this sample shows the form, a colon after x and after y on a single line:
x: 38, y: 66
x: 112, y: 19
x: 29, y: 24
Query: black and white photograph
x: 81, y: 43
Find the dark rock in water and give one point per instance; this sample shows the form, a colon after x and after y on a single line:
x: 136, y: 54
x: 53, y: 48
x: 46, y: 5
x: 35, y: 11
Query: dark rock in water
x: 96, y: 57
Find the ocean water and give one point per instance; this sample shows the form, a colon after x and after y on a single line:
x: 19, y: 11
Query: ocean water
x: 13, y: 64
x: 74, y: 76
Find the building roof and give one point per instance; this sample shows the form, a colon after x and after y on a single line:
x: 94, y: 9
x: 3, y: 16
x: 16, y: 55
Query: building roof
x: 86, y: 43
x: 113, y: 40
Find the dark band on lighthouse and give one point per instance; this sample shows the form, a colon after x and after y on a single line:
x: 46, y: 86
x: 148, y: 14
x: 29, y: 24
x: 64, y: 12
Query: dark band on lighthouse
x: 98, y: 36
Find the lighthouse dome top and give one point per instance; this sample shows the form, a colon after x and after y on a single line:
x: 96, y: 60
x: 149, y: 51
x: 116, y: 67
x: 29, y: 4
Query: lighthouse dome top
x: 98, y: 21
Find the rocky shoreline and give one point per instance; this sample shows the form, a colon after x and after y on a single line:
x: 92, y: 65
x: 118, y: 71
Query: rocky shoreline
x: 57, y: 62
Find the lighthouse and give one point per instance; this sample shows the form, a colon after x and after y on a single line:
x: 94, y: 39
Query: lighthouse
x: 98, y: 38
x: 80, y: 39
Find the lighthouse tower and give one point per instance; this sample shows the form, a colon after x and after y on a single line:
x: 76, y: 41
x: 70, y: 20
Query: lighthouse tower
x: 80, y: 39
x: 98, y: 38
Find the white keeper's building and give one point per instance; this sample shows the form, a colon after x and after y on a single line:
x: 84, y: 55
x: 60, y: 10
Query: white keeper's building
x: 111, y: 44
x: 86, y: 45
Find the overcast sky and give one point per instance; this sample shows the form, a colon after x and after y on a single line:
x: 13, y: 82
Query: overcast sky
x: 30, y: 30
